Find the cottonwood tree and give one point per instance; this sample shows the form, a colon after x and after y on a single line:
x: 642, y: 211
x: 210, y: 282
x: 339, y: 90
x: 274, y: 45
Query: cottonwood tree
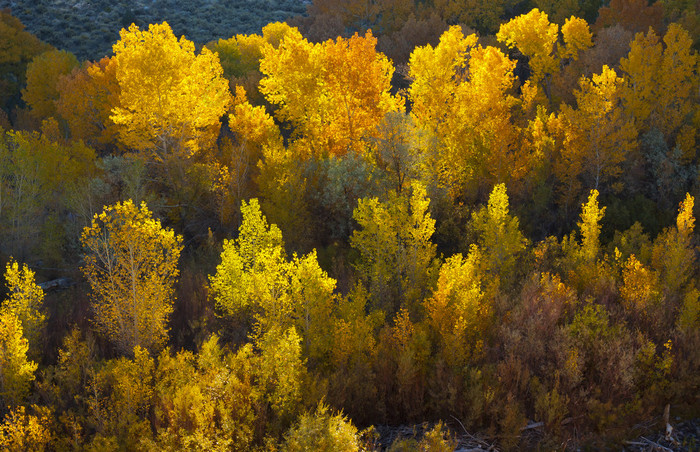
x: 25, y: 301
x: 171, y: 99
x: 334, y: 93
x: 131, y: 265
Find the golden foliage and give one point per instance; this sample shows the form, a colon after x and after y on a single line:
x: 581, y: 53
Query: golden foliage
x: 460, y: 93
x: 25, y: 302
x: 86, y: 98
x: 334, y: 93
x: 171, y: 100
x: 131, y: 265
x: 16, y: 372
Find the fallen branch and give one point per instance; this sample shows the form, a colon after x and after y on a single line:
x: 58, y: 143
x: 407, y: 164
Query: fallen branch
x: 657, y: 446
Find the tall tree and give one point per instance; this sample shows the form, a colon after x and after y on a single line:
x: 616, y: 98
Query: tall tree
x: 171, y: 99
x: 26, y: 302
x: 86, y: 98
x: 397, y: 257
x: 334, y: 93
x: 131, y: 265
x: 16, y: 371
x: 599, y: 137
x: 43, y: 74
x: 461, y: 94
x: 661, y: 87
x: 539, y: 40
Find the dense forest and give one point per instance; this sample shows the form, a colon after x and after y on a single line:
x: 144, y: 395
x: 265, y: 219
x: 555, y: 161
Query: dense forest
x: 471, y: 216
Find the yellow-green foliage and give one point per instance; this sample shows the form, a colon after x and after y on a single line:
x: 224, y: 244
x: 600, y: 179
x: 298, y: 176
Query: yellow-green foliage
x: 43, y: 74
x: 500, y: 240
x: 255, y: 279
x: 322, y: 431
x: 397, y: 257
x: 457, y: 313
x: 281, y: 371
x: 120, y: 394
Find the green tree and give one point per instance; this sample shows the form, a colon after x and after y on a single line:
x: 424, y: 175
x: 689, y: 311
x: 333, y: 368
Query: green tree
x: 131, y: 265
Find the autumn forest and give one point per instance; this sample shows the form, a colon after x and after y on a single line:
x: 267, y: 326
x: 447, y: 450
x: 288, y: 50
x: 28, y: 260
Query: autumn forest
x: 475, y: 218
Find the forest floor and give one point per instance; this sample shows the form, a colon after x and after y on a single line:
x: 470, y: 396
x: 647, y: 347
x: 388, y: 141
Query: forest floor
x: 89, y: 28
x: 684, y: 437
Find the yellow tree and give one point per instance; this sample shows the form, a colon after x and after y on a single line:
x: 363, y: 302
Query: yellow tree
x: 256, y: 279
x: 598, y: 137
x: 457, y: 312
x: 661, y: 86
x: 673, y: 254
x: 460, y: 93
x: 539, y: 40
x: 500, y: 239
x: 171, y: 99
x: 23, y: 431
x: 334, y: 93
x: 397, y: 258
x: 26, y: 302
x: 240, y: 56
x: 43, y: 74
x: 16, y: 371
x: 131, y: 265
x: 591, y: 214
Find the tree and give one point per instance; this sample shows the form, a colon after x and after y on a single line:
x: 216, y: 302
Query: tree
x: 500, y: 240
x: 673, y: 254
x: 334, y: 93
x: 35, y: 172
x: 661, y: 83
x: 457, y: 312
x: 43, y: 74
x: 461, y: 94
x: 16, y: 371
x: 171, y: 100
x: 17, y: 48
x: 256, y: 279
x: 539, y: 40
x: 22, y: 431
x: 86, y: 98
x: 397, y: 258
x: 591, y: 215
x: 322, y: 431
x: 599, y: 138
x: 131, y: 265
x: 25, y: 302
